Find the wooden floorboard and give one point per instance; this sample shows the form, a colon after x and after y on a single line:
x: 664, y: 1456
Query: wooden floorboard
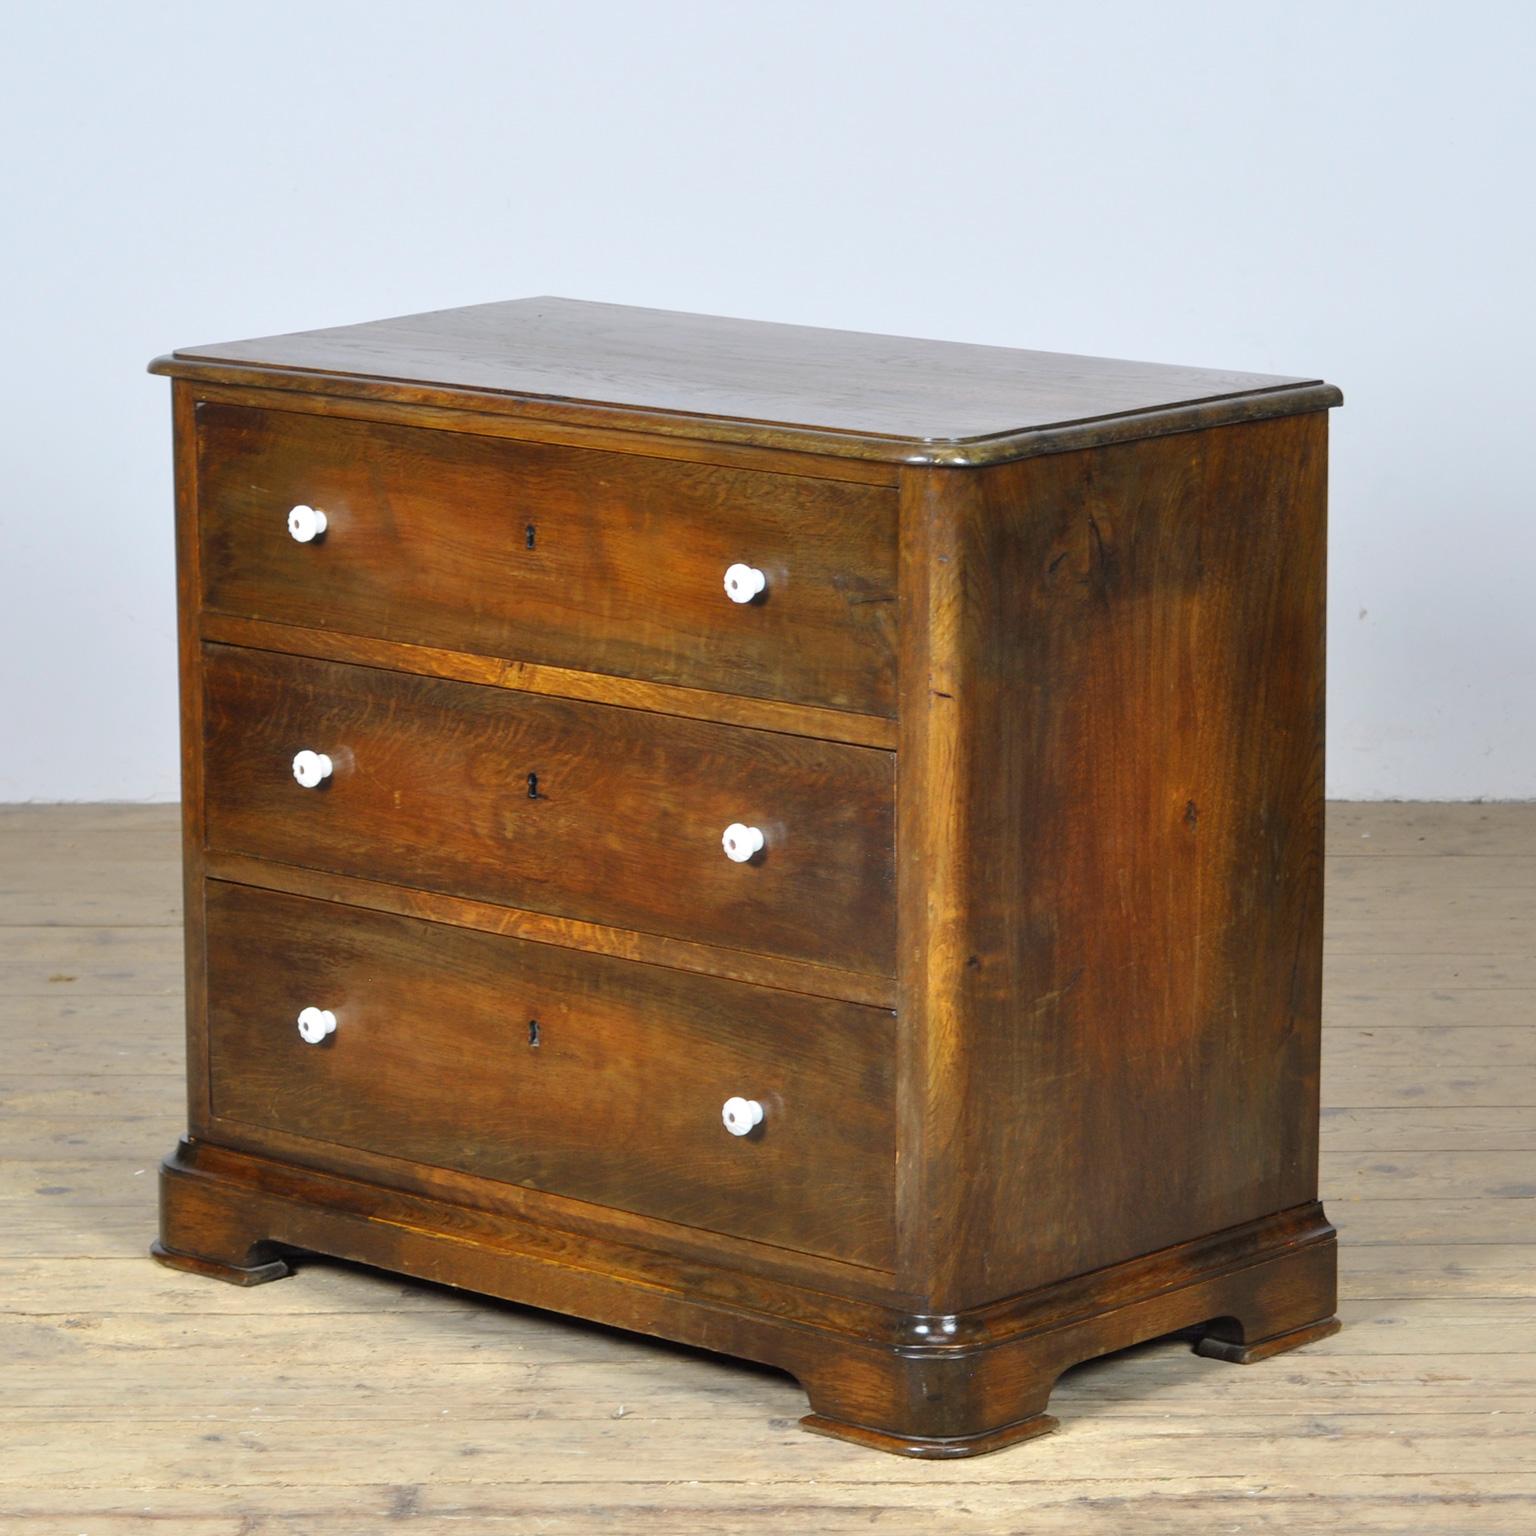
x: 345, y: 1402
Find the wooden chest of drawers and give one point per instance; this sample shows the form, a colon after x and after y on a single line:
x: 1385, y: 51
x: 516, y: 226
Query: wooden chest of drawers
x: 802, y: 843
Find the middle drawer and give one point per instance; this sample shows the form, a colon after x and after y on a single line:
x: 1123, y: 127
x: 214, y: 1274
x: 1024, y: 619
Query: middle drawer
x: 586, y: 811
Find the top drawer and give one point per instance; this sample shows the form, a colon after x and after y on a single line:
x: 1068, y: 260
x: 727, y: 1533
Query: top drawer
x: 571, y: 557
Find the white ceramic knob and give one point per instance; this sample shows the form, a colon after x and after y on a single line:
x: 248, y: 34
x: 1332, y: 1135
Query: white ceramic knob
x: 741, y: 842
x: 740, y: 1115
x: 743, y: 582
x: 315, y: 1024
x: 306, y: 523
x: 311, y: 769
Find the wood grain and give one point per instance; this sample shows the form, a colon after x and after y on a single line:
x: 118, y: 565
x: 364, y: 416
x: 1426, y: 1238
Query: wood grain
x: 795, y: 388
x: 491, y: 1056
x: 562, y: 682
x: 730, y: 455
x: 621, y: 824
x: 488, y: 917
x: 1105, y: 648
x: 138, y: 1399
x: 429, y: 536
x: 1120, y: 985
x: 194, y: 826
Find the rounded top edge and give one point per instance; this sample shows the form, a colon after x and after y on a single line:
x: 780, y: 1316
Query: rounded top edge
x: 978, y: 452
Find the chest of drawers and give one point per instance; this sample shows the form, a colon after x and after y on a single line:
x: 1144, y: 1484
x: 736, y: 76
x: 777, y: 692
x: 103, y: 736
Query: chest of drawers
x: 801, y: 843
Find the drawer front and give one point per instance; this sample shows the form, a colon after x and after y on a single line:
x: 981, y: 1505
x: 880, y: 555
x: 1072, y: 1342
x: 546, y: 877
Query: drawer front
x: 616, y: 1097
x: 581, y: 810
x: 567, y: 557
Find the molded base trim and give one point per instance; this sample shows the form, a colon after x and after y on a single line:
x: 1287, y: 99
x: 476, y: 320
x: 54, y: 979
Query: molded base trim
x: 879, y: 1376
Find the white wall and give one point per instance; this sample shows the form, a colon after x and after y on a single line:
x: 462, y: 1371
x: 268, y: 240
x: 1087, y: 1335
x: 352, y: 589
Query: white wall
x: 1333, y: 188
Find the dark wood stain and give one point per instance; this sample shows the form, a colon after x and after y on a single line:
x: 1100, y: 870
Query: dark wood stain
x: 431, y: 789
x: 427, y: 544
x: 797, y: 388
x: 544, y: 928
x: 619, y: 1105
x: 1134, y: 754
x: 1083, y: 602
x: 563, y: 682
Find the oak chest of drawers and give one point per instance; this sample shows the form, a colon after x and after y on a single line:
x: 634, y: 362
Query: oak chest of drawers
x: 806, y: 844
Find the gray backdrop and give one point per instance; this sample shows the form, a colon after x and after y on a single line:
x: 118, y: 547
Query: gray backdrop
x: 1319, y: 188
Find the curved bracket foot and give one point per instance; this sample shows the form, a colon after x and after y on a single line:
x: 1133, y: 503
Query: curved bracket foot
x: 257, y: 1273
x: 931, y: 1449
x: 1215, y: 1348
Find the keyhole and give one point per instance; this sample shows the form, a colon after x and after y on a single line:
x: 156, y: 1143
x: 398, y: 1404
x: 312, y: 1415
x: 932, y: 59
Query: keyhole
x: 533, y: 786
x: 533, y: 1034
x: 529, y: 536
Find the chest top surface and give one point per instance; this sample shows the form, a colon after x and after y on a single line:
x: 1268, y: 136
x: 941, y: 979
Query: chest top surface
x: 709, y: 378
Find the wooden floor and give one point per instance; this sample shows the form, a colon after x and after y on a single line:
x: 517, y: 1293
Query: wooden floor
x: 134, y: 1399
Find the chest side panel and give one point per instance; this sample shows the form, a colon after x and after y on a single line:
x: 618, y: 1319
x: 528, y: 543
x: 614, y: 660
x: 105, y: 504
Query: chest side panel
x: 1116, y: 1041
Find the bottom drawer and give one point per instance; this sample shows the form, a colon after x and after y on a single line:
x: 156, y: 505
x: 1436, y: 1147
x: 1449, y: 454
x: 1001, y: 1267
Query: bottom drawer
x: 586, y: 1075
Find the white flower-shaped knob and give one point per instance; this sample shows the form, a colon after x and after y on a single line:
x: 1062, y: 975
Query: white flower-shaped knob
x: 311, y: 769
x: 741, y: 842
x: 306, y: 524
x: 315, y: 1024
x: 743, y: 582
x: 740, y: 1115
